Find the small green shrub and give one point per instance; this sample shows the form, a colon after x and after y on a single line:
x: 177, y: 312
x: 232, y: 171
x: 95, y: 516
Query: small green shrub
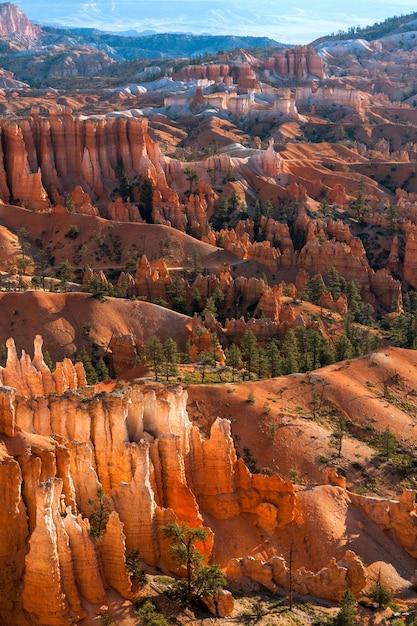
x: 134, y: 567
x: 380, y: 595
x: 72, y: 232
x: 251, y: 398
x: 149, y: 616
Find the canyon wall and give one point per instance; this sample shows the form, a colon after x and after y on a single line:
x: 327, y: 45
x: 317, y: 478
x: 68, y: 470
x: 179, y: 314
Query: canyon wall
x: 42, y: 158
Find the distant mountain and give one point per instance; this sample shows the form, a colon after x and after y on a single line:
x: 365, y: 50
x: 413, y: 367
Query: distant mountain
x: 16, y: 26
x: 378, y: 30
x: 132, y: 33
x: 159, y: 46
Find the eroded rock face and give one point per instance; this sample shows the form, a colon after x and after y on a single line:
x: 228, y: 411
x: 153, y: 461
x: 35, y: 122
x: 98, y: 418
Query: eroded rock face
x: 154, y: 467
x: 139, y: 446
x: 329, y: 583
x: 15, y: 24
x: 397, y: 516
x: 34, y: 378
x: 43, y: 157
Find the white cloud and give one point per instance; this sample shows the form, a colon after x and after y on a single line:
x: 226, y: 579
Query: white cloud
x: 274, y: 18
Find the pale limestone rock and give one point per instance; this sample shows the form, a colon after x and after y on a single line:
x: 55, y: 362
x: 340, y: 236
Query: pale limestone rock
x: 46, y: 604
x: 13, y: 536
x: 33, y: 378
x: 84, y: 475
x: 136, y: 506
x: 213, y: 476
x: 111, y: 546
x: 85, y: 559
x: 7, y: 411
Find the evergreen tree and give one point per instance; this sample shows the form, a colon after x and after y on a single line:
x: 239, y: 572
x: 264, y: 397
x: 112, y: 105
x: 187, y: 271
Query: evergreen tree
x: 336, y: 438
x: 249, y: 351
x: 196, y: 301
x: 291, y: 353
x: 90, y: 372
x: 205, y: 360
x: 219, y: 301
x: 65, y: 274
x: 170, y: 358
x: 101, y: 513
x: 234, y: 359
x: 388, y: 443
x: 210, y: 307
x: 315, y: 289
x: 22, y: 263
x: 101, y: 369
x: 275, y: 361
x: 192, y: 176
x: 325, y: 209
x: 48, y: 361
x: 359, y: 207
x: 343, y: 348
x: 392, y: 216
x: 380, y: 594
x: 183, y: 539
x: 262, y: 363
x: 335, y: 286
x: 348, y: 612
x: 201, y: 580
x: 267, y: 209
x: 153, y: 354
x: 219, y: 219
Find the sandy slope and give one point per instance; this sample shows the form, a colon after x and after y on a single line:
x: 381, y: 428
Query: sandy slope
x: 59, y: 318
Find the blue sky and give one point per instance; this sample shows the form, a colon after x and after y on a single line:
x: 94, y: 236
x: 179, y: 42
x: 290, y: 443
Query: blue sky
x: 290, y: 22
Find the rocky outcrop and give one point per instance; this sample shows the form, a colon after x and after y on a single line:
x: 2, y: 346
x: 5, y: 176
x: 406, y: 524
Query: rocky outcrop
x: 15, y: 25
x: 298, y: 62
x: 329, y: 583
x: 45, y: 157
x: 221, y: 604
x: 410, y: 259
x: 34, y: 378
x: 397, y: 516
x: 214, y: 71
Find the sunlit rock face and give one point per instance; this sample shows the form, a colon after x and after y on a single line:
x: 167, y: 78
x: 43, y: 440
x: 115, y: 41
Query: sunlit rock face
x: 62, y: 446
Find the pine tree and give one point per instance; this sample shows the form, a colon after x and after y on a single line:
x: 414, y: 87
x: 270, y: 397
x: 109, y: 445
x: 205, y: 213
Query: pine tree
x: 234, y: 359
x: 348, y: 612
x: 343, y: 348
x: 275, y: 361
x: 192, y: 176
x: 66, y: 275
x: 202, y: 580
x: 336, y: 438
x: 335, y: 287
x: 90, y: 372
x: 154, y: 354
x: 170, y: 358
x: 388, y: 443
x: 249, y: 351
x: 359, y: 206
x: 315, y: 289
x: 291, y: 353
x: 101, y: 513
x: 101, y: 369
